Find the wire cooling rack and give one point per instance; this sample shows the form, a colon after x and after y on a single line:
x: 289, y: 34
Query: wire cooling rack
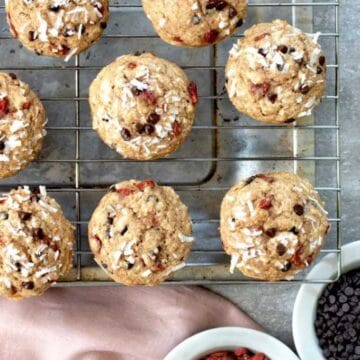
x: 224, y: 146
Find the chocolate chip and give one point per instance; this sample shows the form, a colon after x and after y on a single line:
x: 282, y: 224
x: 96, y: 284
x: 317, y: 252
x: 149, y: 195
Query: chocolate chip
x: 211, y: 36
x: 126, y: 134
x: 18, y: 266
x: 110, y: 220
x: 153, y: 118
x: 291, y: 49
x: 129, y: 265
x: 103, y: 25
x: 272, y: 97
x: 54, y: 8
x: 38, y: 233
x: 28, y: 285
x: 319, y: 70
x: 135, y: 91
x: 304, y: 89
x: 262, y: 52
x: 239, y: 23
x: 13, y: 76
x: 280, y: 67
x: 283, y: 48
x: 294, y: 230
x: 271, y: 232
x: 140, y: 128
x: 298, y: 209
x: 250, y: 180
x: 4, y: 215
x: 221, y: 5
x: 286, y: 267
x: 124, y: 231
x: 232, y: 12
x: 299, y: 61
x: 25, y: 216
x: 289, y: 121
x: 322, y: 60
x: 281, y: 249
x: 31, y: 35
x: 2, y: 146
x: 149, y: 129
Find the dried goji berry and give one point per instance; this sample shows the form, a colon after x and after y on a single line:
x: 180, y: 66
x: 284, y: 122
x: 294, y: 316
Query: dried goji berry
x: 211, y: 36
x: 27, y: 105
x: 192, y: 88
x: 146, y: 183
x: 266, y: 202
x: 4, y: 106
x: 123, y: 192
x: 176, y: 129
x: 149, y: 96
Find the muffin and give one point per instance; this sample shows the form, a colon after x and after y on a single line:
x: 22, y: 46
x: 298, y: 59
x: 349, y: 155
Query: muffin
x: 22, y: 125
x: 276, y: 73
x: 36, y: 243
x: 57, y: 28
x: 272, y: 225
x: 143, y: 106
x: 140, y: 233
x: 189, y: 23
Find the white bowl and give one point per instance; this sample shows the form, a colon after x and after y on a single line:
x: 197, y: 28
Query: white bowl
x: 305, y: 338
x: 230, y: 338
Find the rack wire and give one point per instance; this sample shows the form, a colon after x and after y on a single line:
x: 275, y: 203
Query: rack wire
x: 204, y: 259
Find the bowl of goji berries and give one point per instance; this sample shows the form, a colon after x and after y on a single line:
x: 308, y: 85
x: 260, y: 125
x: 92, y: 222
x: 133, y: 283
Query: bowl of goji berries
x: 231, y: 343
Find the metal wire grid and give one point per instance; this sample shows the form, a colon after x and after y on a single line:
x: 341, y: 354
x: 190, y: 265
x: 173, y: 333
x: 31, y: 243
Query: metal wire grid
x: 78, y: 189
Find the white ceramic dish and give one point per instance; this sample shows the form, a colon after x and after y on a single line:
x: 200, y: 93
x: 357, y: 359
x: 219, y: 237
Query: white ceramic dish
x: 305, y: 338
x: 230, y: 338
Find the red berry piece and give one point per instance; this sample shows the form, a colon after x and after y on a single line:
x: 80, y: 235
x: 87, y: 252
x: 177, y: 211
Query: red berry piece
x: 266, y: 202
x: 97, y: 244
x: 241, y: 351
x: 176, y: 128
x: 296, y: 259
x: 211, y: 36
x: 266, y: 178
x: 259, y: 356
x: 260, y: 37
x: 260, y: 89
x: 192, y: 89
x: 178, y: 39
x: 4, y: 106
x: 123, y: 192
x: 27, y: 105
x: 232, y: 12
x: 283, y: 48
x: 150, y: 97
x: 146, y: 183
x: 131, y: 65
x: 270, y: 232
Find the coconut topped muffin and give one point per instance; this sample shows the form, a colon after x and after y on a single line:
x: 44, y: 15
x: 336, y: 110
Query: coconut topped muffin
x: 143, y: 106
x: 140, y: 233
x: 57, y: 28
x: 189, y: 23
x: 36, y: 242
x: 272, y: 225
x: 276, y: 73
x: 22, y: 125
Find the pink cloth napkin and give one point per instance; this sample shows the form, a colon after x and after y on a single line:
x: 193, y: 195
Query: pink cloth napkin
x: 111, y: 323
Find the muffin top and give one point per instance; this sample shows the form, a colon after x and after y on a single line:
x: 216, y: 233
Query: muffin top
x: 22, y: 125
x: 189, y: 23
x: 276, y: 73
x: 273, y: 225
x: 57, y: 28
x: 140, y: 232
x: 143, y: 106
x: 36, y: 242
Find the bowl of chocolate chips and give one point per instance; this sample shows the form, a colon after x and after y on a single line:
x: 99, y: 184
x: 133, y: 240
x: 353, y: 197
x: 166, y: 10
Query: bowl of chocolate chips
x: 231, y: 343
x: 326, y: 317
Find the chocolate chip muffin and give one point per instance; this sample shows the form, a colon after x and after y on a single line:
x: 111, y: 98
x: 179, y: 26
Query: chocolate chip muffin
x: 272, y: 225
x: 57, y: 28
x: 22, y: 125
x: 276, y: 73
x: 190, y: 23
x: 140, y: 233
x: 143, y: 106
x: 36, y: 243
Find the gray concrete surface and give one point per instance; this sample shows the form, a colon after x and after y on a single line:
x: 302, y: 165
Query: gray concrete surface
x: 270, y: 304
